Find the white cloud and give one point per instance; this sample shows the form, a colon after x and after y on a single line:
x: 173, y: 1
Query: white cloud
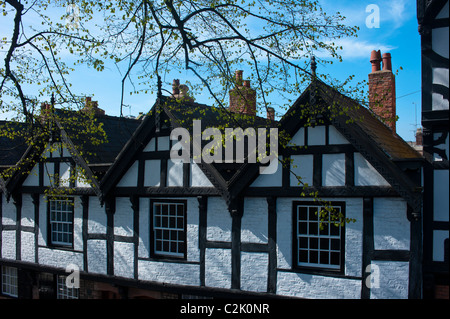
x: 355, y: 49
x: 397, y: 12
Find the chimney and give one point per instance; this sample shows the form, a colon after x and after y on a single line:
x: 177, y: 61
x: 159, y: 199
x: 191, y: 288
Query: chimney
x: 46, y: 110
x: 179, y: 91
x: 175, y: 87
x: 382, y: 89
x: 242, y: 97
x: 92, y: 106
x: 419, y: 137
x: 271, y: 113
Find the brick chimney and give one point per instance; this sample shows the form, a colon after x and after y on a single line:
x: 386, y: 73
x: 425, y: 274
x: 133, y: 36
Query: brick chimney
x: 180, y: 91
x: 242, y: 97
x: 271, y: 113
x: 92, y: 106
x: 419, y: 137
x: 382, y: 89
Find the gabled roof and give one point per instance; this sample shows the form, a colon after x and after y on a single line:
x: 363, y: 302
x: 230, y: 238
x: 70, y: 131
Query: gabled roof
x: 99, y: 157
x: 94, y: 159
x: 127, y: 138
x: 225, y: 177
x: 373, y: 139
x: 11, y: 150
x: 367, y: 133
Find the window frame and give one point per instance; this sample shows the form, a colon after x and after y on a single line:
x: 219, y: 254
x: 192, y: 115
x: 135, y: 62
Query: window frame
x: 311, y: 267
x: 56, y: 243
x: 154, y: 253
x: 6, y: 272
x: 64, y: 292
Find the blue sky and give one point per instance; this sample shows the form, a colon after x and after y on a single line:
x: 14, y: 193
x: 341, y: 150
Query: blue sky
x: 397, y: 34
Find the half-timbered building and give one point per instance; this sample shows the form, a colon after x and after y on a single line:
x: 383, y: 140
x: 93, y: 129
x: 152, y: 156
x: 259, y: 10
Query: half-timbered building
x: 433, y: 18
x: 143, y: 225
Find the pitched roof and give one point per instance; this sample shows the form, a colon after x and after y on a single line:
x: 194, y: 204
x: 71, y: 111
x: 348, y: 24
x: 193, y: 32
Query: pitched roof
x: 95, y: 159
x: 369, y: 123
x: 126, y: 138
x: 182, y: 114
x: 99, y: 157
x: 11, y: 150
x: 368, y: 134
x: 186, y: 113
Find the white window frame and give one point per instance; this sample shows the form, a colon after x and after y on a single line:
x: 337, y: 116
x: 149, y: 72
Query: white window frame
x: 169, y: 228
x: 61, y: 221
x: 316, y: 248
x: 10, y: 286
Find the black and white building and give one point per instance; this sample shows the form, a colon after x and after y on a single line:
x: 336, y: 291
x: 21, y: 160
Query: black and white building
x: 142, y: 225
x: 433, y: 18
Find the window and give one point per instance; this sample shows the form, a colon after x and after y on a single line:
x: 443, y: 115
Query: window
x: 168, y: 235
x: 61, y: 222
x: 317, y: 245
x: 9, y: 281
x: 63, y: 292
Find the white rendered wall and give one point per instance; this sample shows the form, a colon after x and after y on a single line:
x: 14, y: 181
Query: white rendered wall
x: 317, y: 287
x: 391, y: 227
x: 254, y: 223
x: 333, y: 170
x: 197, y: 177
x: 219, y: 220
x: 172, y: 273
x: 123, y: 259
x: 32, y: 178
x: 9, y: 244
x: 218, y: 268
x: 254, y: 271
x: 129, y: 179
x: 366, y: 174
x: 96, y: 256
x: 302, y: 166
x: 27, y: 246
x: 152, y: 176
x: 144, y: 228
x: 316, y: 135
x: 270, y: 180
x: 393, y: 280
x: 123, y: 217
x: 9, y: 214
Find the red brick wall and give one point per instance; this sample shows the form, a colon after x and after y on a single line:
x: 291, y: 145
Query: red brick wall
x: 441, y: 292
x: 382, y: 96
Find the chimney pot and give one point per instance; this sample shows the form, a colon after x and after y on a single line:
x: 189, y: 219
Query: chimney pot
x: 375, y: 59
x: 238, y: 75
x: 271, y: 113
x: 176, y: 86
x: 242, y: 98
x: 387, y: 64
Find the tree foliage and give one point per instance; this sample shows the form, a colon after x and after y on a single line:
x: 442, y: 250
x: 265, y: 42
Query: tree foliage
x: 273, y: 40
